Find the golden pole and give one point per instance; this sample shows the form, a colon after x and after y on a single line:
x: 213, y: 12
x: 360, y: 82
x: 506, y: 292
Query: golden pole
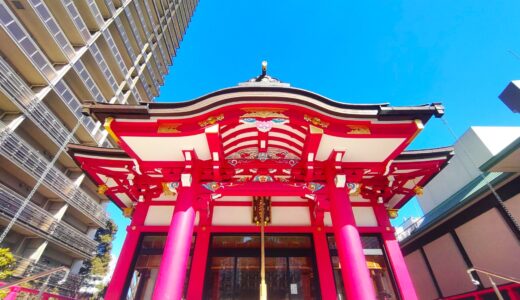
x: 263, y: 285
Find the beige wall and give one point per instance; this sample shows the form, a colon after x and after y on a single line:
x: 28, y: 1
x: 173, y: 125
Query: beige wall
x: 421, y: 278
x: 513, y: 204
x: 448, y: 266
x: 491, y: 245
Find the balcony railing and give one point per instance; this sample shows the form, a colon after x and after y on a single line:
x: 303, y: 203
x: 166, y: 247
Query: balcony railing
x: 115, y: 52
x: 88, y: 81
x: 103, y: 66
x: 52, y: 26
x: 27, y: 158
x: 69, y: 287
x: 43, y: 222
x: 95, y: 12
x: 17, y: 32
x: 22, y: 96
x: 66, y: 95
x: 76, y: 19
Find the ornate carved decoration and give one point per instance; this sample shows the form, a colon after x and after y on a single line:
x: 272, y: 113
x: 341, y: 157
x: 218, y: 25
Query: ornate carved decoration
x: 263, y: 178
x: 316, y: 121
x: 102, y: 188
x: 392, y: 213
x: 211, y: 120
x: 264, y: 113
x: 354, y: 189
x: 211, y: 186
x: 314, y: 186
x: 128, y: 212
x: 170, y: 188
x: 108, y: 128
x: 358, y: 129
x: 169, y: 128
x: 261, y: 210
x: 419, y: 191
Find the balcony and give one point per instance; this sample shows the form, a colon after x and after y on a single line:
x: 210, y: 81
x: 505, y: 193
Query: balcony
x: 21, y: 95
x: 25, y: 54
x: 29, y: 160
x: 44, y: 224
x: 68, y: 98
x: 69, y: 287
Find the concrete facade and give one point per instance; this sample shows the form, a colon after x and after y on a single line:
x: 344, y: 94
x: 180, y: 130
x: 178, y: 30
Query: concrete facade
x: 466, y: 225
x: 54, y: 57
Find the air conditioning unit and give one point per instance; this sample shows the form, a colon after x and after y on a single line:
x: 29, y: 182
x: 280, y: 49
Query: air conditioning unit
x: 511, y: 96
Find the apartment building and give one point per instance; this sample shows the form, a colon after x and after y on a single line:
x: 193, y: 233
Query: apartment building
x: 56, y: 55
x: 466, y: 224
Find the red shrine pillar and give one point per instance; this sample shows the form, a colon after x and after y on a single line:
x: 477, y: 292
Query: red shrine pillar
x: 354, y: 270
x: 122, y: 271
x: 172, y: 272
x: 198, y: 265
x: 395, y: 256
x: 326, y: 276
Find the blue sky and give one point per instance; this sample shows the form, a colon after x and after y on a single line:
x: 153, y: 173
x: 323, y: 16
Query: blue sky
x: 460, y: 53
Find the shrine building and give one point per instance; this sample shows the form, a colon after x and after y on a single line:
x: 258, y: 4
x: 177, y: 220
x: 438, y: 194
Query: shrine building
x: 261, y: 191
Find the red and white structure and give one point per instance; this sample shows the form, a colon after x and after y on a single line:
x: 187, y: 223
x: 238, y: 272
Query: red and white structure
x: 187, y: 174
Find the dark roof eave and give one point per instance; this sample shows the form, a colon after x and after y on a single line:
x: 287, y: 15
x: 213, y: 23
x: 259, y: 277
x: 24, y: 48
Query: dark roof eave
x: 443, y: 152
x: 383, y: 111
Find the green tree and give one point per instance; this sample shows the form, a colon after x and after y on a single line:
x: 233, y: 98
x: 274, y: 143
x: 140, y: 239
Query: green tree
x: 98, y: 265
x: 7, y: 262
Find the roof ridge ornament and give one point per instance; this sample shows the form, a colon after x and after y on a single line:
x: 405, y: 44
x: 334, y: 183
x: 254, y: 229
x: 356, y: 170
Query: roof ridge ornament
x: 264, y: 80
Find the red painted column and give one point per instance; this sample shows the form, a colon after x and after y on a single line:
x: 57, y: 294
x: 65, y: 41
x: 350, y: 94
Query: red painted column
x: 13, y: 293
x: 198, y: 265
x: 172, y: 272
x: 395, y: 256
x: 325, y: 274
x: 128, y: 252
x: 354, y: 270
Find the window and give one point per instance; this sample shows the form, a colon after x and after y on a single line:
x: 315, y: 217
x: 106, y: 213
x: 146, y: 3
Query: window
x: 380, y: 272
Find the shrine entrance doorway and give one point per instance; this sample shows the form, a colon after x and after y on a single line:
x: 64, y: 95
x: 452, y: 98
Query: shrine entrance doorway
x: 234, y: 268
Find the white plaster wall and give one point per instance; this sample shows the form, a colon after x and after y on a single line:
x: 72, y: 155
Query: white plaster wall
x: 475, y: 147
x: 364, y: 217
x: 290, y: 216
x: 159, y: 215
x: 232, y: 215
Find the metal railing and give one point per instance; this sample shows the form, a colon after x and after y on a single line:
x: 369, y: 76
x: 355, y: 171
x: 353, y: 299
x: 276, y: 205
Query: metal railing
x: 88, y: 81
x: 52, y: 26
x: 76, y: 19
x: 23, y: 39
x: 409, y: 229
x: 67, y: 286
x: 70, y: 100
x: 23, y: 97
x: 42, y: 221
x: 26, y: 157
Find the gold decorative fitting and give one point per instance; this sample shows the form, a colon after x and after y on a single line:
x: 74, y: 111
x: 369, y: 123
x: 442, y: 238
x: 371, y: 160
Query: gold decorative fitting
x: 419, y: 191
x: 392, y: 213
x: 102, y: 188
x: 264, y: 113
x: 108, y: 128
x: 170, y: 188
x: 358, y: 129
x: 128, y: 212
x: 420, y: 126
x: 261, y: 210
x: 316, y: 121
x: 169, y: 128
x: 211, y: 120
